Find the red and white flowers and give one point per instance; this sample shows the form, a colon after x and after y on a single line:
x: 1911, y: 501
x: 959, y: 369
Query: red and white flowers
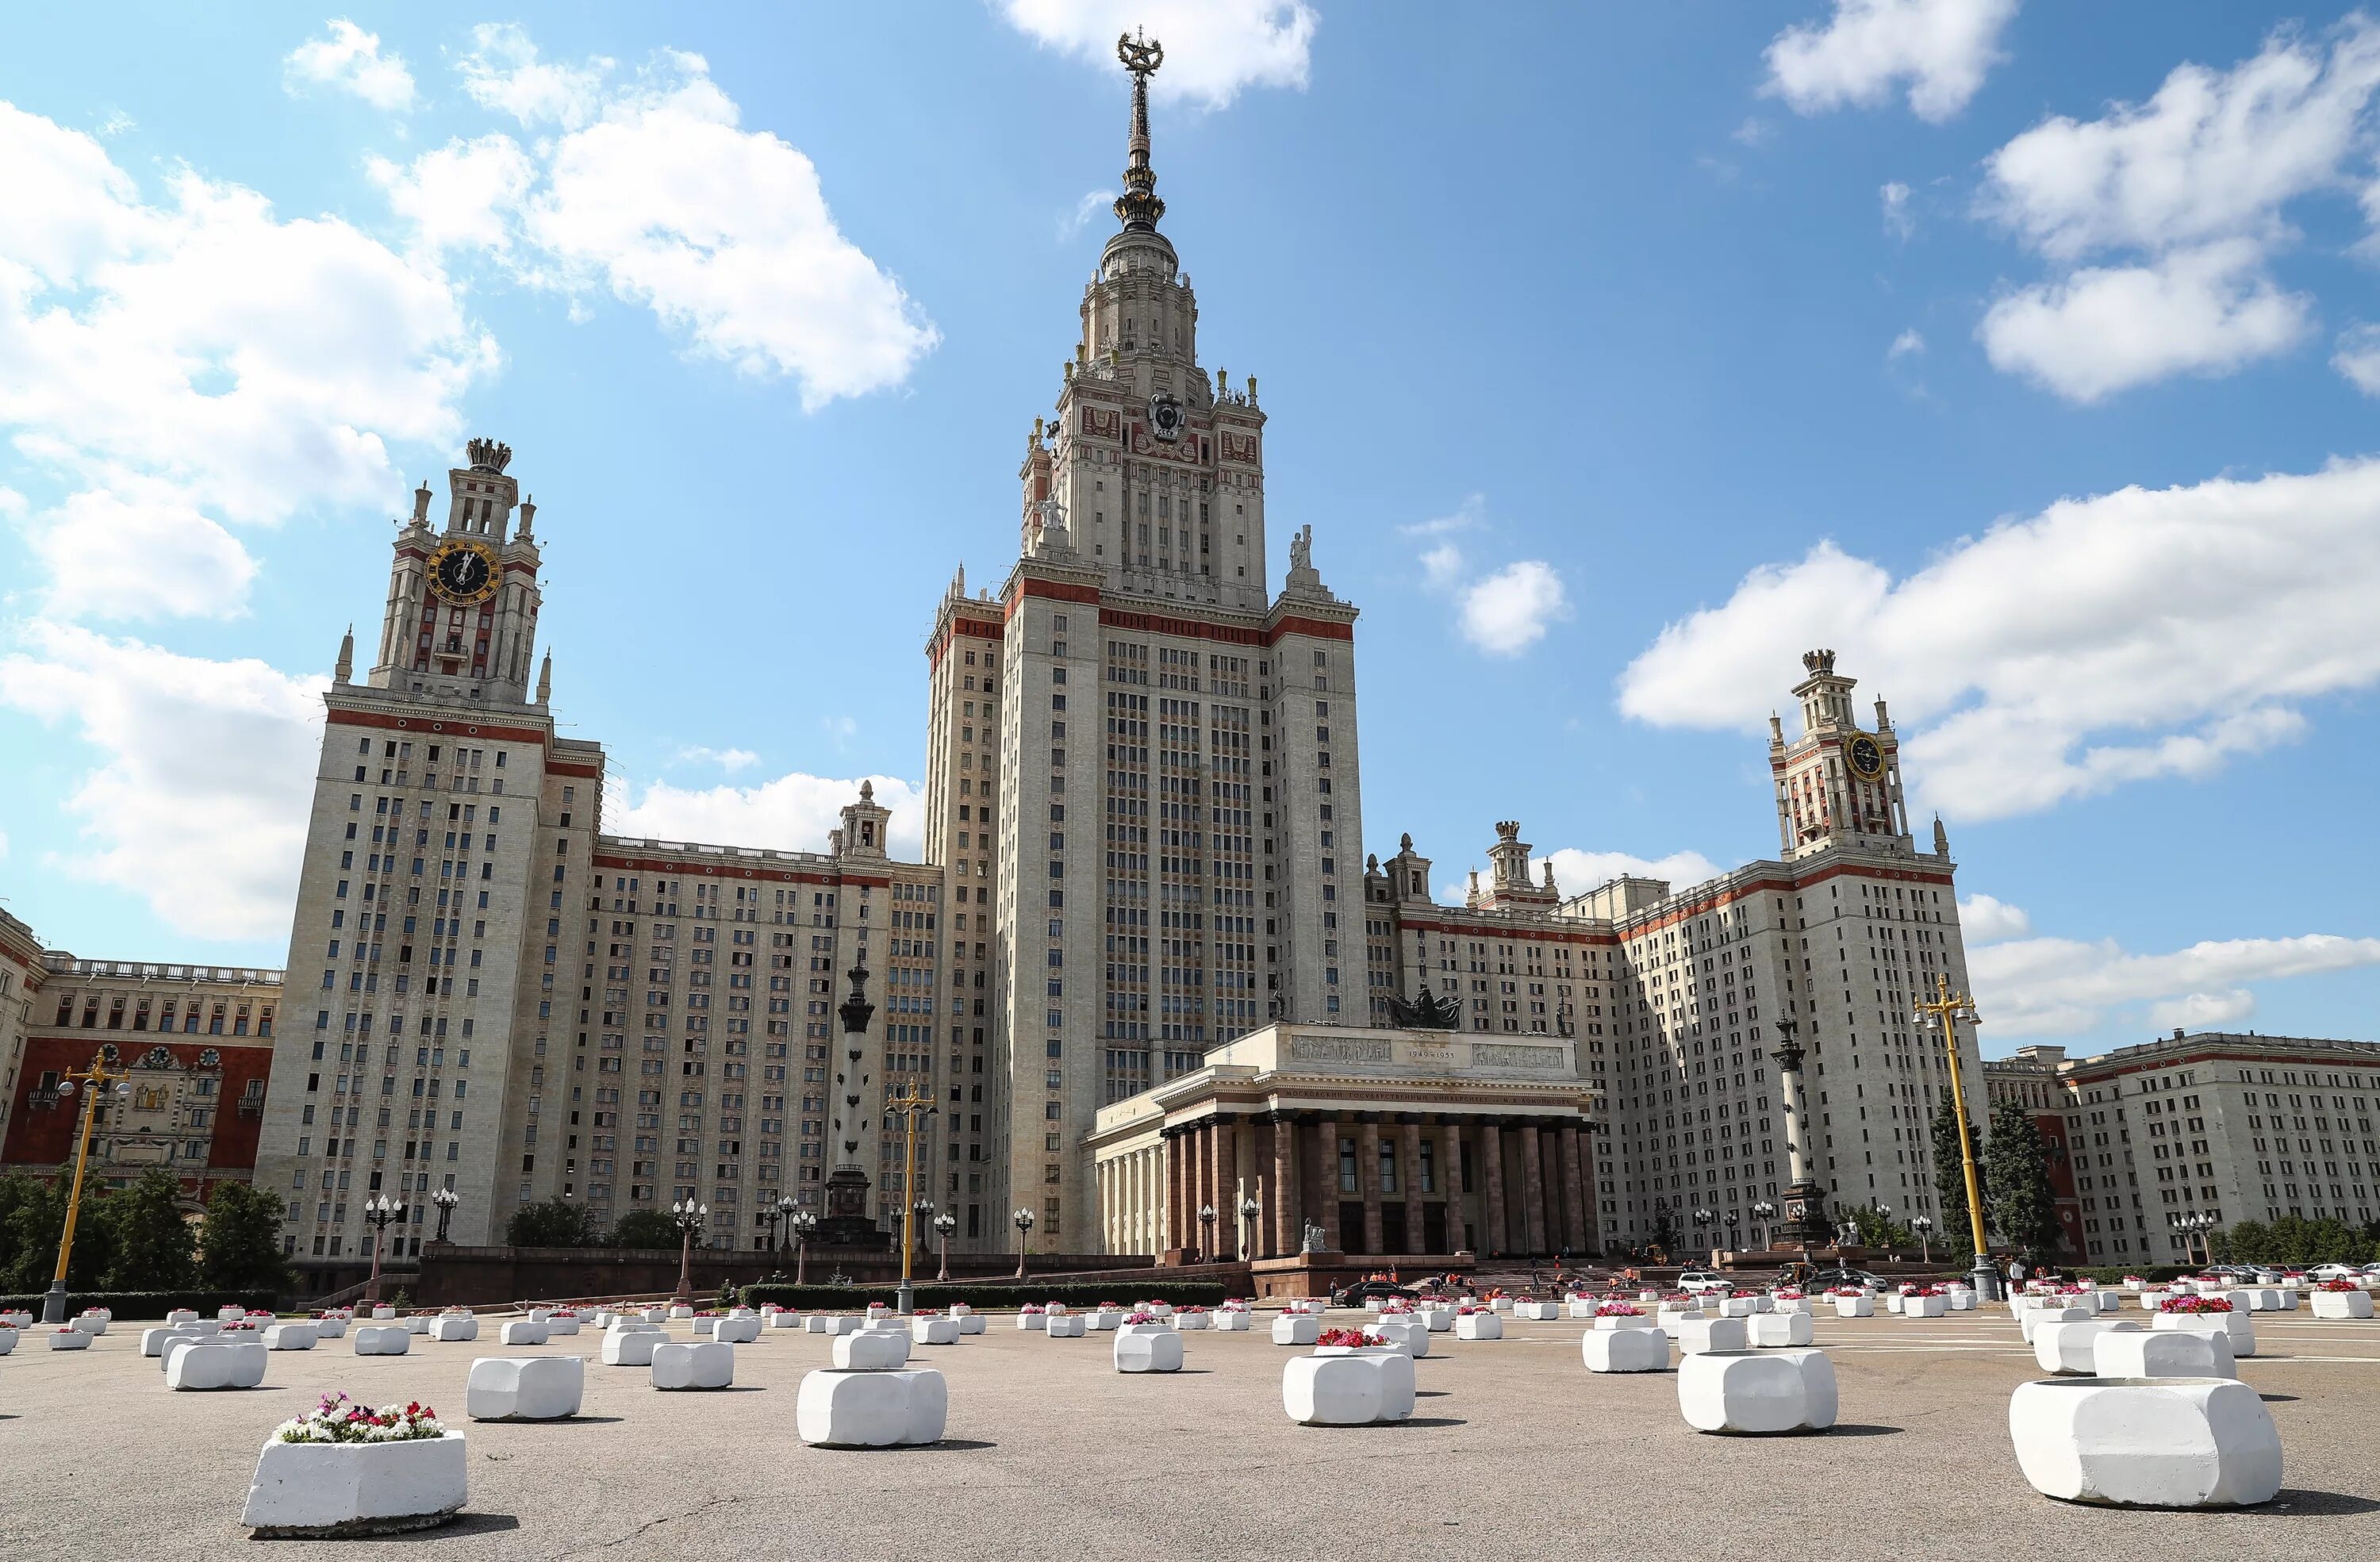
x: 1348, y: 1340
x: 338, y: 1419
x: 1618, y: 1310
x: 2195, y: 1305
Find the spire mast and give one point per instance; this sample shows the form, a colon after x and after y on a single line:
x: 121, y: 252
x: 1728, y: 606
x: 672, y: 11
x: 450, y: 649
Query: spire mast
x: 1139, y: 207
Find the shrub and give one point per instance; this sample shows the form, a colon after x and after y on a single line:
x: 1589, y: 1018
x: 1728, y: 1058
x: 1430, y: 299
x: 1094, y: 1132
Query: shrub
x: 133, y: 1306
x: 847, y: 1299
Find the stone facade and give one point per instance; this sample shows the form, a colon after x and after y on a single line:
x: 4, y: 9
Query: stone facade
x: 2237, y: 1127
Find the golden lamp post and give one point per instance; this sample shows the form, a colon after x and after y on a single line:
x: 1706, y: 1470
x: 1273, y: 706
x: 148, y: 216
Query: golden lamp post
x: 101, y: 1081
x: 1942, y: 1012
x: 914, y: 1105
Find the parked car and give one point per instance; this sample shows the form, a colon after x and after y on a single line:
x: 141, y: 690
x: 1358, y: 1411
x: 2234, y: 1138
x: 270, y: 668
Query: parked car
x: 1827, y: 1279
x: 2335, y: 1272
x: 1356, y: 1294
x: 1696, y: 1281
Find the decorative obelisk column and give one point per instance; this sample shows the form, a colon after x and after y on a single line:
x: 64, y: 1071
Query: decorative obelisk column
x: 1804, y: 1221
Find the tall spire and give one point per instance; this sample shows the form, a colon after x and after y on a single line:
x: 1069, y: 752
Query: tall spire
x: 344, y: 671
x: 1138, y: 206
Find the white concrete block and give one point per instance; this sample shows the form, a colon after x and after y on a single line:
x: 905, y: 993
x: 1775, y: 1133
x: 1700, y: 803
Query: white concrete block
x: 2073, y: 1348
x: 872, y: 1350
x: 1626, y: 1350
x: 525, y: 1387
x: 1541, y: 1311
x: 737, y: 1331
x: 1772, y: 1331
x: 2342, y: 1304
x: 217, y: 1364
x: 454, y: 1327
x: 2163, y: 1354
x: 2156, y: 1443
x: 631, y: 1347
x: 522, y: 1331
x: 871, y: 1409
x: 380, y: 1339
x: 2235, y: 1324
x: 1147, y: 1348
x: 1768, y: 1391
x: 1855, y: 1306
x: 1296, y: 1329
x: 1408, y: 1335
x: 937, y: 1330
x: 1356, y: 1389
x: 698, y: 1364
x: 1698, y: 1336
x: 1478, y: 1325
x: 1065, y: 1326
x: 290, y: 1336
x: 351, y: 1488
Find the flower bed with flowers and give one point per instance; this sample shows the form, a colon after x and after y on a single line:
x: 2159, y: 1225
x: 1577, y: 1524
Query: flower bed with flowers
x: 1032, y: 1307
x: 1846, y: 1291
x: 1619, y: 1310
x: 2336, y: 1287
x: 337, y: 1419
x: 1353, y: 1340
x: 2195, y: 1305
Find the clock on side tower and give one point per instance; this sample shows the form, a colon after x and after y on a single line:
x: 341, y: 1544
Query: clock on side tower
x: 461, y: 622
x: 1838, y: 782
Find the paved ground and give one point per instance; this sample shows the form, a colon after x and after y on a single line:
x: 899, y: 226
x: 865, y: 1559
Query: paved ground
x: 1517, y: 1451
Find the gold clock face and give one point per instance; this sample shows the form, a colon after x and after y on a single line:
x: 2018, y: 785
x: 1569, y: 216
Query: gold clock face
x: 463, y: 571
x: 1866, y: 758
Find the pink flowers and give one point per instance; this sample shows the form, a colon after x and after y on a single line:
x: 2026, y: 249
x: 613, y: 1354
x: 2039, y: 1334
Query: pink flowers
x: 1350, y: 1339
x: 1140, y: 1317
x: 1619, y: 1310
x: 2195, y: 1305
x: 1032, y: 1308
x: 337, y: 1419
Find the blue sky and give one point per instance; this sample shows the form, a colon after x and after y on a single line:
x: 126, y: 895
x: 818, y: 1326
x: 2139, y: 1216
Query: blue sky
x: 2022, y: 353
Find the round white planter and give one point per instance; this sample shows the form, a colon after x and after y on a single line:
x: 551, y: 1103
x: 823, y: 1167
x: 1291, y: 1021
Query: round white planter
x: 1356, y: 1389
x: 1766, y: 1392
x: 336, y: 1489
x: 2146, y: 1443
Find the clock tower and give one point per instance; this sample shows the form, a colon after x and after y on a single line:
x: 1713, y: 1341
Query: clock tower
x: 1838, y: 783
x: 461, y: 620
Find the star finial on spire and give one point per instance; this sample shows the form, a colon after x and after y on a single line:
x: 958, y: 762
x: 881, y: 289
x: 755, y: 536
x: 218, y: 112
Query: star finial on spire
x: 1139, y: 207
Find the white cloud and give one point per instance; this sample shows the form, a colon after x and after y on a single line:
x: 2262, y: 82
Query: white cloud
x: 1442, y: 566
x: 503, y: 72
x: 1903, y: 346
x: 1898, y: 221
x: 1092, y: 203
x: 1212, y: 47
x: 2189, y: 189
x: 1982, y: 920
x: 137, y: 550
x: 205, y: 359
x: 1941, y: 48
x: 728, y: 759
x: 793, y: 813
x: 234, y: 743
x: 1754, y: 131
x: 2049, y: 987
x: 1576, y: 872
x: 1509, y: 611
x: 2358, y: 356
x: 348, y: 59
x: 2135, y: 634
x: 651, y: 192
x: 1469, y: 514
x: 2102, y: 330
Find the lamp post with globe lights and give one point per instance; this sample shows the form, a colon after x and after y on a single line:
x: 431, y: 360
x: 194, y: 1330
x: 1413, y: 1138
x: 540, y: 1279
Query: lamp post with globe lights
x: 1023, y: 1221
x: 98, y: 1081
x: 1766, y: 1213
x: 379, y: 1212
x: 1207, y: 1237
x: 1249, y: 1210
x: 1734, y: 1221
x: 2193, y: 1228
x: 803, y: 1224
x: 1702, y: 1219
x: 1941, y: 1014
x: 444, y: 1199
x: 689, y: 1217
x: 912, y: 1106
x: 944, y: 1224
x: 1923, y: 1225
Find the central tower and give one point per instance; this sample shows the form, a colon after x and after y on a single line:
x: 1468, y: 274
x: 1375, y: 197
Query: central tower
x: 1141, y: 764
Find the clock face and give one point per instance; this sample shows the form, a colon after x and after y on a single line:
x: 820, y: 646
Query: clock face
x: 1866, y: 758
x: 1165, y: 416
x: 464, y: 572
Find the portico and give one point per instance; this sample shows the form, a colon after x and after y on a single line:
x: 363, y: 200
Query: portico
x: 1414, y: 1143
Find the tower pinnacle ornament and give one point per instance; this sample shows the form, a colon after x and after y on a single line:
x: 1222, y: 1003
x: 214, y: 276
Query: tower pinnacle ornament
x: 1138, y: 207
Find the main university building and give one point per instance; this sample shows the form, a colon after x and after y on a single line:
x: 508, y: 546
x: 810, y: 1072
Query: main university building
x: 1146, y: 969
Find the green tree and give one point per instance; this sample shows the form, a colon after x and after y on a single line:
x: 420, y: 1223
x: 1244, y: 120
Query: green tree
x: 148, y: 1236
x: 239, y: 1241
x: 644, y: 1229
x: 19, y: 1192
x: 34, y: 1228
x: 557, y: 1222
x: 2017, y: 1198
x: 1957, y: 1232
x: 1876, y: 1230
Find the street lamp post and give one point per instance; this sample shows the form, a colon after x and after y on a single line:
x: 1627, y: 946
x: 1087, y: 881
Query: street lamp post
x: 379, y: 1212
x: 914, y: 1105
x: 446, y: 1199
x: 1884, y: 1222
x: 1924, y: 1226
x: 101, y: 1081
x: 1702, y: 1219
x: 689, y: 1218
x: 1249, y: 1210
x: 1206, y: 1237
x: 924, y: 1210
x: 1734, y: 1220
x: 1766, y: 1213
x: 785, y: 1214
x: 1941, y: 1013
x: 1023, y: 1221
x: 944, y: 1224
x: 804, y: 1224
x: 2195, y: 1226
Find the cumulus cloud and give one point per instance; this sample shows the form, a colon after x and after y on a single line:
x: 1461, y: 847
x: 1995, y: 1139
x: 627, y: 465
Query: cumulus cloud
x: 181, y: 739
x: 728, y: 759
x: 348, y: 59
x: 1092, y: 203
x: 2051, y: 986
x: 1212, y: 47
x: 793, y: 813
x: 177, y: 368
x: 1982, y: 920
x: 2187, y: 192
x: 649, y: 190
x: 2136, y: 635
x: 1906, y: 343
x: 1506, y: 612
x: 1898, y: 220
x: 2358, y: 356
x: 1442, y: 566
x: 1868, y: 49
x: 1576, y: 872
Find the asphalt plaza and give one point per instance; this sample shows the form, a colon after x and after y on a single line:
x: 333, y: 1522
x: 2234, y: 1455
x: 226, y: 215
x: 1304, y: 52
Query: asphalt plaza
x: 1514, y: 1449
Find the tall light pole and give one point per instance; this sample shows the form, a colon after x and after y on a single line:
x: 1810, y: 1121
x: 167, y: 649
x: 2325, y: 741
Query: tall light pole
x: 1766, y: 1213
x: 784, y: 1213
x: 1941, y: 1013
x: 1023, y: 1221
x: 1702, y: 1219
x: 944, y: 1224
x: 1207, y: 1235
x: 689, y: 1218
x: 804, y: 1225
x: 914, y: 1105
x: 379, y: 1212
x: 102, y: 1080
x: 2190, y: 1226
x: 446, y: 1199
x: 1924, y: 1226
x: 1734, y: 1220
x: 1249, y: 1210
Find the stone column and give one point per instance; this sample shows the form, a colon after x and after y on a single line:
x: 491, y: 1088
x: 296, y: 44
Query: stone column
x: 1492, y: 1237
x: 1450, y: 1149
x: 1178, y: 1151
x: 1323, y: 1183
x: 1532, y: 1186
x: 1409, y: 1171
x: 1367, y: 1175
x: 1287, y: 1228
x: 1226, y: 1186
x: 1577, y: 1205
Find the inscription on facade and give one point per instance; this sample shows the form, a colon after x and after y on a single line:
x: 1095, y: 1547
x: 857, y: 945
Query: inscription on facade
x: 1326, y: 1050
x: 1488, y: 1054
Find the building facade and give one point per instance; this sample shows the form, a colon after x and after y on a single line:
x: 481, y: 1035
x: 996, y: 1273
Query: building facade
x: 2236, y: 1127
